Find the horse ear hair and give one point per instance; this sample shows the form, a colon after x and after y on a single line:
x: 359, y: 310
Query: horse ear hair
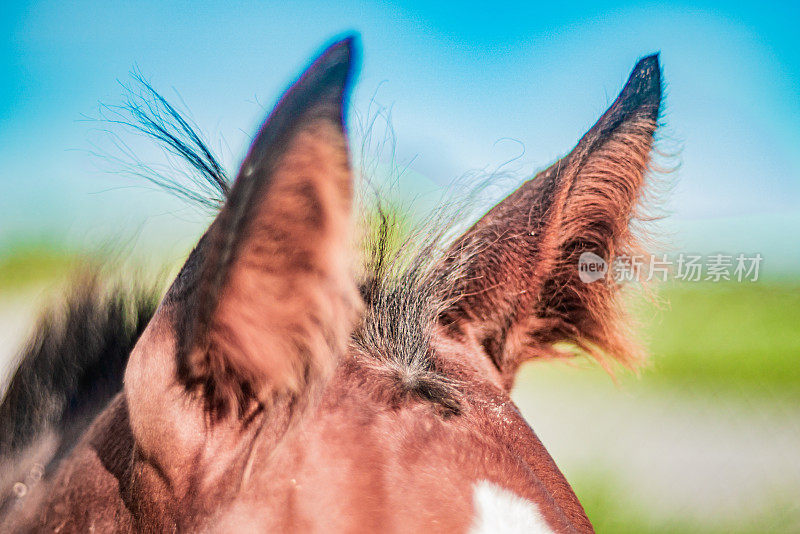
x: 274, y: 302
x: 521, y: 291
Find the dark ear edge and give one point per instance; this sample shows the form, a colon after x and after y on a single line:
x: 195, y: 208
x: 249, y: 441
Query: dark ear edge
x: 607, y: 195
x: 319, y: 96
x: 320, y: 93
x: 521, y: 294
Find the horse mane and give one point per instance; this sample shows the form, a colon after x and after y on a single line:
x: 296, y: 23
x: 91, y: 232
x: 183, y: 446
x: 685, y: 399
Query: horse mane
x: 194, y: 173
x: 404, y: 294
x: 73, y: 364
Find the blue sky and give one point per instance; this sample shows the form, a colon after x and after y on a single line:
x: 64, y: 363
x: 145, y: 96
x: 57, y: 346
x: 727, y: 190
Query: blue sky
x: 470, y: 87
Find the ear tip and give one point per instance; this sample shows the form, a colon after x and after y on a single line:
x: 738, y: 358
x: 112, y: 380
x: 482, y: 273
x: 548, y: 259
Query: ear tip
x: 347, y: 44
x: 648, y: 62
x: 649, y: 69
x: 342, y: 53
x: 337, y: 63
x: 644, y: 85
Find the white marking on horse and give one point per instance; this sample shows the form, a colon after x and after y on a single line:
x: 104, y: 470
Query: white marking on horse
x: 498, y: 510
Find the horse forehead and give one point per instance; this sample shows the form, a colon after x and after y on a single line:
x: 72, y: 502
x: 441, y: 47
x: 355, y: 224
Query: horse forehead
x: 500, y: 510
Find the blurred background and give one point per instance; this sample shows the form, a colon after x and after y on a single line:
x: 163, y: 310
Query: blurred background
x: 707, y: 439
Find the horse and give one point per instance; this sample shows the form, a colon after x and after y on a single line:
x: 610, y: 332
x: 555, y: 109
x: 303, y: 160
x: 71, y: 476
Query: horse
x: 277, y: 387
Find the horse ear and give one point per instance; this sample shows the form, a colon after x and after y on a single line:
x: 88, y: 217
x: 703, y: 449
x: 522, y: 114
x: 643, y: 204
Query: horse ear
x: 272, y: 301
x: 520, y: 287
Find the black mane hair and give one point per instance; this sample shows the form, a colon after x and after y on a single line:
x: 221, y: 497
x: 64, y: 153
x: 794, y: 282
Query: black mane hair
x: 194, y: 172
x: 70, y: 369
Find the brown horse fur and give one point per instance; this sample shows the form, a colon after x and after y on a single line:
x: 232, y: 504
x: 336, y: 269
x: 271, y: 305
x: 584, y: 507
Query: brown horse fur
x: 271, y: 392
x: 523, y: 294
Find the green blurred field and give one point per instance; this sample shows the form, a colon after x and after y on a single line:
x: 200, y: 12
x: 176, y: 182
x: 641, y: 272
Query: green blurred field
x: 738, y: 343
x: 724, y: 358
x: 30, y: 264
x: 732, y: 336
